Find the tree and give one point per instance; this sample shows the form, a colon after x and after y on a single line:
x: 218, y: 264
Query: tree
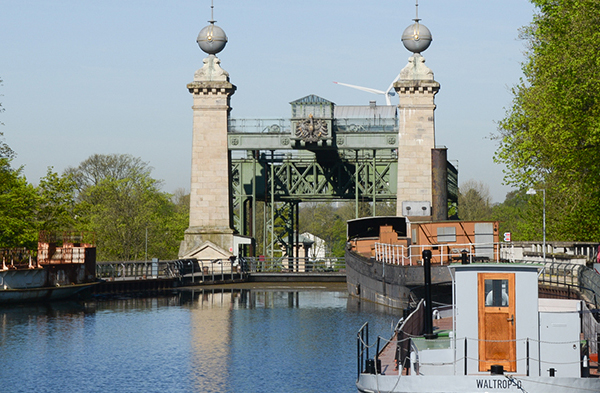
x: 56, y: 211
x: 328, y: 221
x: 18, y: 201
x: 121, y: 212
x: 99, y: 167
x: 323, y: 220
x: 550, y: 137
x: 126, y: 209
x: 474, y: 201
x: 181, y: 199
x: 518, y: 216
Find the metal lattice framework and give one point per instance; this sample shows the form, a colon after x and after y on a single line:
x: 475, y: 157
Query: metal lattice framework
x: 282, y: 180
x: 279, y: 163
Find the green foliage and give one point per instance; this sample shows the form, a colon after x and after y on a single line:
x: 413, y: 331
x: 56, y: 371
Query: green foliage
x: 56, y: 210
x: 99, y: 167
x: 129, y: 214
x: 385, y: 208
x: 323, y: 220
x: 18, y: 201
x: 517, y: 216
x: 119, y: 201
x: 328, y: 221
x: 5, y: 150
x: 113, y: 196
x: 474, y: 201
x: 550, y: 136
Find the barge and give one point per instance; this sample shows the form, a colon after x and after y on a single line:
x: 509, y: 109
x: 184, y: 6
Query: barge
x: 383, y: 256
x: 498, y: 336
x: 63, y: 267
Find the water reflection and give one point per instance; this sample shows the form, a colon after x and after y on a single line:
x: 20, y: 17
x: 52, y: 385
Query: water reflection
x: 292, y: 339
x: 248, y: 338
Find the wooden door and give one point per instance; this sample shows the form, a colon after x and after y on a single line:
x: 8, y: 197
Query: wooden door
x: 496, y: 300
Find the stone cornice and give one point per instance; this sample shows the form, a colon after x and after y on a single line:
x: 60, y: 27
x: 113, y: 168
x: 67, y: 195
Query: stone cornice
x: 203, y: 230
x: 416, y: 86
x: 211, y: 88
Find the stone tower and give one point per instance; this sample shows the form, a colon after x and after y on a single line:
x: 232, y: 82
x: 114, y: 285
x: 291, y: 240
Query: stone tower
x: 210, y: 233
x: 416, y: 89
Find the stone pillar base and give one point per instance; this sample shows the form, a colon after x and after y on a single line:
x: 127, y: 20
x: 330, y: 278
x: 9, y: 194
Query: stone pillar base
x: 205, y: 242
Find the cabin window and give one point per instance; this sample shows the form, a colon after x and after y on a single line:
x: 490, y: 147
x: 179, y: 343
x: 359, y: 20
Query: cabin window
x: 446, y: 235
x: 496, y: 293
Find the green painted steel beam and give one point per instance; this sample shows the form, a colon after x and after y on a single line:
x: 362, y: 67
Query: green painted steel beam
x: 342, y: 141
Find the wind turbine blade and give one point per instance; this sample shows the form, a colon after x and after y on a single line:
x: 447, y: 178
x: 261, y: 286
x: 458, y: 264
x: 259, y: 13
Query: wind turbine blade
x: 388, y: 102
x: 389, y: 91
x: 367, y: 89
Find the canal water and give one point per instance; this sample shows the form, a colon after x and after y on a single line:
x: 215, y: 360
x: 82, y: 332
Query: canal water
x: 274, y: 338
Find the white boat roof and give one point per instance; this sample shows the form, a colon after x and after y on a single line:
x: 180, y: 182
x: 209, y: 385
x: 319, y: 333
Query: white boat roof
x: 492, y: 266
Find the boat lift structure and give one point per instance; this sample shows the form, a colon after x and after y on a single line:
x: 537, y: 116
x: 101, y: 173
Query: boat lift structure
x: 324, y: 153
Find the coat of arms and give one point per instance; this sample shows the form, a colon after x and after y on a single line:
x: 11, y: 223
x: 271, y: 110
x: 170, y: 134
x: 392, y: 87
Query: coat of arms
x: 311, y: 129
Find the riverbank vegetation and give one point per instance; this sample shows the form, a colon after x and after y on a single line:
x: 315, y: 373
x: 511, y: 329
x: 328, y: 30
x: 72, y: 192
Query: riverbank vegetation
x: 114, y: 196
x: 550, y: 136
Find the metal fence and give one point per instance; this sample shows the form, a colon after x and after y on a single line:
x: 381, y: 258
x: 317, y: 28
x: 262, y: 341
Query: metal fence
x: 569, y: 276
x: 260, y: 126
x: 555, y: 274
x: 144, y: 270
x: 341, y: 125
x: 211, y: 269
x: 590, y: 285
x: 131, y: 270
x: 292, y: 265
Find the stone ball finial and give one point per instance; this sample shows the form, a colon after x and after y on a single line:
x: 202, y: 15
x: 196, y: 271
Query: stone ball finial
x: 212, y: 39
x: 416, y: 37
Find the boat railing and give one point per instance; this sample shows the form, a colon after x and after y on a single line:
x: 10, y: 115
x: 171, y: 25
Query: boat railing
x: 570, y: 276
x: 395, y: 254
x: 442, y: 253
x: 415, y: 353
x: 557, y: 271
x: 458, y: 350
x: 461, y: 361
x: 362, y: 347
x: 16, y: 258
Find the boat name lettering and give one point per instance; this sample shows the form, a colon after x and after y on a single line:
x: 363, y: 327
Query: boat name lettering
x: 498, y: 384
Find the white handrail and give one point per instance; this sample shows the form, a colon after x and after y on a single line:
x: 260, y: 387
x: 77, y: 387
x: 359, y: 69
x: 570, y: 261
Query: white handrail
x: 443, y: 253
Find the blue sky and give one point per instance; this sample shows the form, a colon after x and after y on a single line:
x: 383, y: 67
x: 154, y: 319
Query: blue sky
x: 109, y: 76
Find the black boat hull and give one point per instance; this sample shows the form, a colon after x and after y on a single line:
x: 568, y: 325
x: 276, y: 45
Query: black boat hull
x: 391, y: 285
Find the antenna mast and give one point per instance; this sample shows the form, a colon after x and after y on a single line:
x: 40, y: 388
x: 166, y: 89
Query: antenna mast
x: 417, y: 12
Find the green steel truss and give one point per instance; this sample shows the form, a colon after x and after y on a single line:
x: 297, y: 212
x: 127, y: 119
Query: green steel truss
x: 314, y: 156
x: 281, y: 180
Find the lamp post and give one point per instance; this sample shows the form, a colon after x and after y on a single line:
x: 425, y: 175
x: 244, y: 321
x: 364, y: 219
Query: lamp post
x: 532, y: 191
x: 307, y: 243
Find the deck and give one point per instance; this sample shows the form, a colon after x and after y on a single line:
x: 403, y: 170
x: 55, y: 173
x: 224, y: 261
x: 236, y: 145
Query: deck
x: 387, y: 355
x: 389, y: 366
